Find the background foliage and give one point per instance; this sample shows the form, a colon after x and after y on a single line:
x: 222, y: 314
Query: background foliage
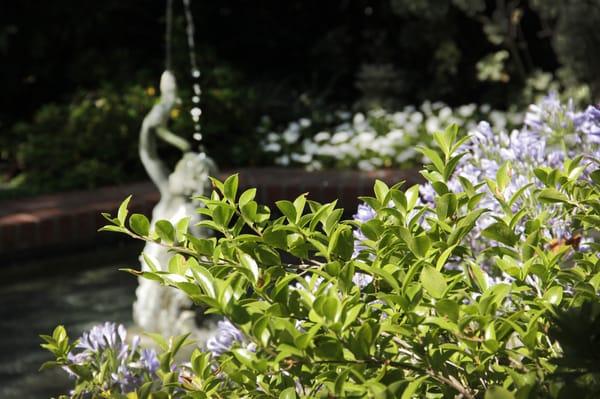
x: 281, y: 59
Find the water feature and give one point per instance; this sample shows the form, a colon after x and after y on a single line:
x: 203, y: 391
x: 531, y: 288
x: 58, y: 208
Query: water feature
x: 195, y: 111
x: 84, y: 289
x: 78, y: 291
x: 157, y: 308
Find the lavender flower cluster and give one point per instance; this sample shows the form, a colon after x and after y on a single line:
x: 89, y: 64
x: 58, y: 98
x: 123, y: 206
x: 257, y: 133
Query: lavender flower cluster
x: 224, y: 338
x: 552, y: 132
x: 106, y: 344
x: 105, y: 347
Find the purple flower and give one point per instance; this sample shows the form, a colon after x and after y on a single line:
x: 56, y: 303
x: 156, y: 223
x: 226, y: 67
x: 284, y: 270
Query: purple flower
x: 227, y: 334
x: 106, y: 344
x: 149, y: 360
x: 362, y: 279
x: 126, y: 379
x: 364, y: 213
x: 104, y: 336
x: 552, y: 133
x: 135, y: 342
x: 185, y: 373
x: 588, y: 122
x: 79, y: 358
x: 547, y: 116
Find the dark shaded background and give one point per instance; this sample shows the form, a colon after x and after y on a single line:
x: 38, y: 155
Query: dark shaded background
x: 281, y: 59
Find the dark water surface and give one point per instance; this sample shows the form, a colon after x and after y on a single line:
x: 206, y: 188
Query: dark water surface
x: 77, y: 291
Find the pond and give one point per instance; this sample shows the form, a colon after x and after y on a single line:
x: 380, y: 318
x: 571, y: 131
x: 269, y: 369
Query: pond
x: 77, y: 291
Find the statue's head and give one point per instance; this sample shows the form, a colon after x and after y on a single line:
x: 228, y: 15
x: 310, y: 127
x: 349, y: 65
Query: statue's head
x: 168, y: 87
x: 191, y: 173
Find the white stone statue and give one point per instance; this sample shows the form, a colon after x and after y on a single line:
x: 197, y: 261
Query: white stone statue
x: 157, y: 308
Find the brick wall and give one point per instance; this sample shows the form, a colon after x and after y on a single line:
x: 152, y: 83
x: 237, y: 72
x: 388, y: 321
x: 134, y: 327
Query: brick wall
x: 73, y: 218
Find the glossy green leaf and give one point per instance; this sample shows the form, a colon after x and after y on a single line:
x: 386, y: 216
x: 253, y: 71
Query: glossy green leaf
x: 448, y: 308
x: 288, y: 393
x: 247, y: 196
x: 498, y: 392
x: 552, y: 195
x: 554, y: 295
x: 421, y: 245
x: 250, y: 264
x: 446, y: 205
x: 372, y: 229
x: 434, y: 157
x: 500, y: 232
x: 165, y: 231
x: 122, y: 212
x: 381, y: 190
x: 503, y: 176
x: 139, y: 224
x: 288, y: 210
x: 230, y: 187
x: 433, y: 281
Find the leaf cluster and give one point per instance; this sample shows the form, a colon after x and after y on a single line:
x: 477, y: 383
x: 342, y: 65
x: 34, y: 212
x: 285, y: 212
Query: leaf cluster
x: 428, y: 322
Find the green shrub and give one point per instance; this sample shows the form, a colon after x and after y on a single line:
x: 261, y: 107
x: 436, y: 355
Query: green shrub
x: 412, y: 313
x: 89, y: 142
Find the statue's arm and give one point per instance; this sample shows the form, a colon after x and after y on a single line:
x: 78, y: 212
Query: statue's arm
x: 154, y: 166
x: 173, y: 139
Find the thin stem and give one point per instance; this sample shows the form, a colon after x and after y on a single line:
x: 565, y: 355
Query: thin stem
x: 452, y: 382
x: 509, y: 38
x: 161, y: 243
x: 372, y: 361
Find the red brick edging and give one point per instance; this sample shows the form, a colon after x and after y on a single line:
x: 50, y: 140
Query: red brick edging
x: 74, y: 217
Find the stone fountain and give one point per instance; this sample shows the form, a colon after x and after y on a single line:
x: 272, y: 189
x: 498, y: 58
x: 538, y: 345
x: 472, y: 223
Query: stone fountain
x: 158, y: 308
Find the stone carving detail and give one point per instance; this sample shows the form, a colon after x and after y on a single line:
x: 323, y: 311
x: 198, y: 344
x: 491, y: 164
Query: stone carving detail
x: 158, y: 308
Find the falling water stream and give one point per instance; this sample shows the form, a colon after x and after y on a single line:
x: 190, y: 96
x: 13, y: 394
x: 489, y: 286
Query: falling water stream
x: 195, y: 111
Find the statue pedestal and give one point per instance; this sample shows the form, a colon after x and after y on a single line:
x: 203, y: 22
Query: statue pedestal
x: 163, y: 309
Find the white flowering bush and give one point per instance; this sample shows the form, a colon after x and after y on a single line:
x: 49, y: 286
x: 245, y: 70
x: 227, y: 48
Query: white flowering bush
x: 403, y: 301
x: 372, y: 140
